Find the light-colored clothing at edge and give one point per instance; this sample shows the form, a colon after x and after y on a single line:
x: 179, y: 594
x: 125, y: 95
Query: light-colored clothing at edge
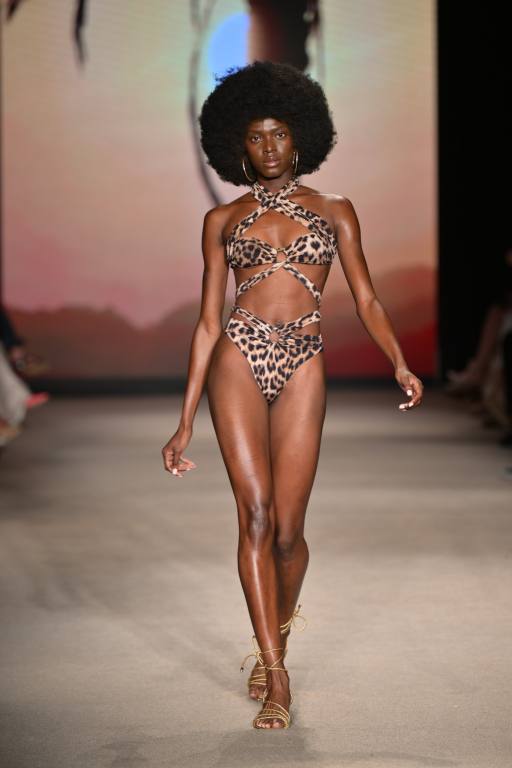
x: 13, y: 392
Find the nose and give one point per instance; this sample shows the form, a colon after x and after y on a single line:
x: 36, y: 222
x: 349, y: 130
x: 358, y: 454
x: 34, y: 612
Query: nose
x: 269, y: 145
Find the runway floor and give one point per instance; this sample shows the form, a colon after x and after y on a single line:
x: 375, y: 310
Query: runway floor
x: 123, y: 619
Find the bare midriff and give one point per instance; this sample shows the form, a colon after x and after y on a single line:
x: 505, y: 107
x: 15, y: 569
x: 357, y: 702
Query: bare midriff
x: 280, y: 298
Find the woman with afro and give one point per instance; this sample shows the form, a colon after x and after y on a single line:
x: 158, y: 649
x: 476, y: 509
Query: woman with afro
x: 264, y: 126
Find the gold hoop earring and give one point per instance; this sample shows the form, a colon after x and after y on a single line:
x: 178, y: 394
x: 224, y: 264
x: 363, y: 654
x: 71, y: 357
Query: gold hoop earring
x: 245, y: 171
x: 295, y: 162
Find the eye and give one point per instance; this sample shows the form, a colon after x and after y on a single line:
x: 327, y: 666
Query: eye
x: 281, y: 134
x: 254, y: 139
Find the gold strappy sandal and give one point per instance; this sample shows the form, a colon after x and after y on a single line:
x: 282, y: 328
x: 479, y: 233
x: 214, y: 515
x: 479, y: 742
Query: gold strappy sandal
x: 271, y: 709
x: 258, y: 676
x: 291, y: 621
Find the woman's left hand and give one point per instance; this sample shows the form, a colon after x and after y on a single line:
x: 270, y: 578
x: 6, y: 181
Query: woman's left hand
x: 411, y: 385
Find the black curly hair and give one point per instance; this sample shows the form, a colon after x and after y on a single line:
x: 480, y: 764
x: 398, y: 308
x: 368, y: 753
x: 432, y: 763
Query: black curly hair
x: 259, y: 90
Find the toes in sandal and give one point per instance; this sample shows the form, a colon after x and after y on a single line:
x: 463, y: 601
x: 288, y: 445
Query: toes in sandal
x: 258, y: 676
x: 257, y: 679
x: 272, y: 710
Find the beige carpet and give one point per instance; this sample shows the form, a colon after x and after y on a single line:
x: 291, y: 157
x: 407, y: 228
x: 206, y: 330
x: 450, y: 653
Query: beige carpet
x: 124, y: 624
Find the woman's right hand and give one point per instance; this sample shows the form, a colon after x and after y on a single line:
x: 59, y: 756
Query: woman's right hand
x: 174, y: 461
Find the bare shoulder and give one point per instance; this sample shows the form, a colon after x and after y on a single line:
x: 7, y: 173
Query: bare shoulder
x: 216, y: 216
x: 343, y: 212
x: 219, y: 220
x: 336, y: 209
x: 232, y: 212
x: 240, y: 204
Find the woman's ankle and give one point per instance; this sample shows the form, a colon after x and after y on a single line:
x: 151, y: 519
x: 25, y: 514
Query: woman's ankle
x: 278, y: 678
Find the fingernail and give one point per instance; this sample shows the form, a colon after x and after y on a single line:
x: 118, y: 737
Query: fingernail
x: 409, y: 391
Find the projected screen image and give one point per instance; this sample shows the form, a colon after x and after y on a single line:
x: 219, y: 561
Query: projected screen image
x: 105, y: 187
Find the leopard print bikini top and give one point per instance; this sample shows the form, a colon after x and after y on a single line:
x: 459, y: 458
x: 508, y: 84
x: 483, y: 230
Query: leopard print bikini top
x: 316, y: 246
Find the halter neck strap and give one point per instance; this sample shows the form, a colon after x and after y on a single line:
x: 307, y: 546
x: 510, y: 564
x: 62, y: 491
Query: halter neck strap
x: 267, y: 198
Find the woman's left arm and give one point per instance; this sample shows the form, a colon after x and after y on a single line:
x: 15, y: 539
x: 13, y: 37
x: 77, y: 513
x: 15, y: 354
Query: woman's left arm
x: 368, y: 307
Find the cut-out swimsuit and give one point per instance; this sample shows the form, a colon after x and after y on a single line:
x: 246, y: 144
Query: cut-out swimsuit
x: 274, y: 351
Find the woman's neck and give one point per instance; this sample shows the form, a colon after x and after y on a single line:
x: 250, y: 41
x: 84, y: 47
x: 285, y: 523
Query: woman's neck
x: 274, y: 185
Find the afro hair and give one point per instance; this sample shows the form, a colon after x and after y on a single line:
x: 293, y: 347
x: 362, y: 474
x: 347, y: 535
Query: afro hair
x: 259, y: 90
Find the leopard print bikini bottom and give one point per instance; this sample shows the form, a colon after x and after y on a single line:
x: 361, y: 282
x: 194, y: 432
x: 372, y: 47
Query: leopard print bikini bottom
x: 274, y: 352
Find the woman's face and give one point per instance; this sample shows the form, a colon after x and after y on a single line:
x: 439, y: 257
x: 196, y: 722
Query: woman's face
x: 269, y: 147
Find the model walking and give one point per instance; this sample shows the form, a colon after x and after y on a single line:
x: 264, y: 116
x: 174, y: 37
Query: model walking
x: 263, y: 126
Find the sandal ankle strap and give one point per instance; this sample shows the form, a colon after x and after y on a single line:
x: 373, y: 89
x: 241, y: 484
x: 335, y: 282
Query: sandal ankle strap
x: 257, y: 653
x: 291, y: 621
x: 272, y: 667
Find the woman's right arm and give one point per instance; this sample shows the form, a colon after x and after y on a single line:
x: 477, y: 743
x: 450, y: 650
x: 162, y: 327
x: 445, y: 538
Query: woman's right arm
x: 205, y: 336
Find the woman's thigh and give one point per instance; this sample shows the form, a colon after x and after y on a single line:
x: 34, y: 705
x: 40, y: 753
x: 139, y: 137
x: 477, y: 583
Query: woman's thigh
x: 296, y: 422
x: 241, y: 421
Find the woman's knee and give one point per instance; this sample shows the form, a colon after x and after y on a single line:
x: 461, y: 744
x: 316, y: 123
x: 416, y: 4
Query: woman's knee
x: 288, y: 542
x: 256, y: 523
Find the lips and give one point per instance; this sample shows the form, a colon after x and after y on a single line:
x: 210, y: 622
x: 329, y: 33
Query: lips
x: 271, y: 162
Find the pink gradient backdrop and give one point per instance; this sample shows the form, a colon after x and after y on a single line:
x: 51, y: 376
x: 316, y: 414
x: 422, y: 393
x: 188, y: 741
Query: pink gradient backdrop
x: 103, y: 204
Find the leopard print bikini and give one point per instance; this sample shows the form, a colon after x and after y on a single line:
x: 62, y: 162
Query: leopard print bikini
x: 274, y: 352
